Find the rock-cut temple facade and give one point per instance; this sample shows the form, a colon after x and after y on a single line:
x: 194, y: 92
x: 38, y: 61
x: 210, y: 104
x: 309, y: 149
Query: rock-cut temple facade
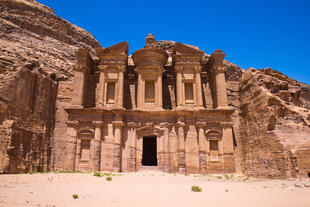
x: 154, y: 108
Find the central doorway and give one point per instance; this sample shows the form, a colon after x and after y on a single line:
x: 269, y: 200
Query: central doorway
x: 149, y: 153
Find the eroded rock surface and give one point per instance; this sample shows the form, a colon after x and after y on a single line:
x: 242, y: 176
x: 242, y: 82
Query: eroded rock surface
x: 36, y: 55
x: 275, y: 130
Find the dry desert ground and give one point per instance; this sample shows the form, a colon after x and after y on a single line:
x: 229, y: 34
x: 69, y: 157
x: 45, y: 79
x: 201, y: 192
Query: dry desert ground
x: 149, y: 188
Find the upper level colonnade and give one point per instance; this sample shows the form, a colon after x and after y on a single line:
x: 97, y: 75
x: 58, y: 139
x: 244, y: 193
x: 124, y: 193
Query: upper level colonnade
x: 150, y: 79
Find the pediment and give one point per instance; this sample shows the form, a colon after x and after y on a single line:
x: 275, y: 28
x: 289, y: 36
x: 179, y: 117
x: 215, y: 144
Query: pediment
x: 182, y: 49
x: 120, y: 48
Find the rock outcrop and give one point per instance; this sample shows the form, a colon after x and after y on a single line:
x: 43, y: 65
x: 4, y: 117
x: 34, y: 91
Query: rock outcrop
x: 275, y: 125
x: 36, y: 55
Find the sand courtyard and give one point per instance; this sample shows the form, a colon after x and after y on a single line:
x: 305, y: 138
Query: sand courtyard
x: 149, y: 188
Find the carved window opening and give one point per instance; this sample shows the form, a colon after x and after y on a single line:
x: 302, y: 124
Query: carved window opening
x: 85, y: 150
x: 150, y: 91
x: 110, y: 92
x: 308, y: 174
x: 189, y: 93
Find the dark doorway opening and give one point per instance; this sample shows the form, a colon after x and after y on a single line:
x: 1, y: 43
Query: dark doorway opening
x: 308, y: 174
x: 149, y: 154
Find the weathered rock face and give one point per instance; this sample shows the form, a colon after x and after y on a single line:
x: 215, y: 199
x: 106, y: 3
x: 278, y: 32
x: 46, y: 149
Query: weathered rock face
x: 275, y: 128
x: 36, y: 55
x: 31, y: 31
x: 27, y: 121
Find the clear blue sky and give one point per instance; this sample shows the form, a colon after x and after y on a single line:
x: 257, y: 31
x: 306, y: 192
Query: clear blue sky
x: 252, y: 33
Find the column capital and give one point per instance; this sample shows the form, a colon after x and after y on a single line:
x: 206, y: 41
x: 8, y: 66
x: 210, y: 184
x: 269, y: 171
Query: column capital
x: 178, y: 68
x: 72, y: 123
x: 165, y: 125
x: 180, y: 124
x: 101, y: 68
x: 97, y: 123
x: 201, y: 124
x: 227, y: 124
x: 133, y: 124
x: 219, y: 68
x: 118, y: 123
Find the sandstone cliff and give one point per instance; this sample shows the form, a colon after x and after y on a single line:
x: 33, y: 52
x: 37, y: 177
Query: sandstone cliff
x: 36, y: 55
x: 271, y: 119
x: 275, y: 124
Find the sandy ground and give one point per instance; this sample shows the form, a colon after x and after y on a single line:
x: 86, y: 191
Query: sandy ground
x: 149, y: 188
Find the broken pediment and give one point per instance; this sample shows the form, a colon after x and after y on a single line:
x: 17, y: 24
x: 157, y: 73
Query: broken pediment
x: 182, y: 49
x: 83, y: 56
x: 120, y: 48
x: 115, y: 54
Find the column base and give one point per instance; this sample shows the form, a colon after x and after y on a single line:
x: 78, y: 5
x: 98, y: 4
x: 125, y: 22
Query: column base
x: 202, y: 162
x: 182, y: 162
x: 117, y: 158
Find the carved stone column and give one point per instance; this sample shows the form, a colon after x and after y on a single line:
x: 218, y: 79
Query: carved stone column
x: 218, y: 69
x: 96, y: 145
x: 198, y: 88
x: 133, y: 144
x: 140, y: 95
x: 120, y: 87
x: 71, y: 141
x: 167, y: 126
x: 180, y: 125
x: 221, y: 93
x: 117, y: 145
x: 202, y: 149
x: 228, y: 147
x: 78, y: 153
x: 179, y: 89
x: 101, y: 86
x: 159, y: 91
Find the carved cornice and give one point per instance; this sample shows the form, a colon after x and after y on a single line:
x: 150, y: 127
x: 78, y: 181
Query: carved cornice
x: 227, y: 124
x: 150, y: 129
x: 179, y: 67
x: 107, y: 67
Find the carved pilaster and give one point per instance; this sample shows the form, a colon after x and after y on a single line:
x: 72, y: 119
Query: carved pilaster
x: 180, y: 126
x: 228, y: 147
x: 133, y: 144
x: 202, y: 152
x: 166, y: 154
x: 117, y: 145
x: 218, y: 69
x: 96, y: 145
x: 71, y: 145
